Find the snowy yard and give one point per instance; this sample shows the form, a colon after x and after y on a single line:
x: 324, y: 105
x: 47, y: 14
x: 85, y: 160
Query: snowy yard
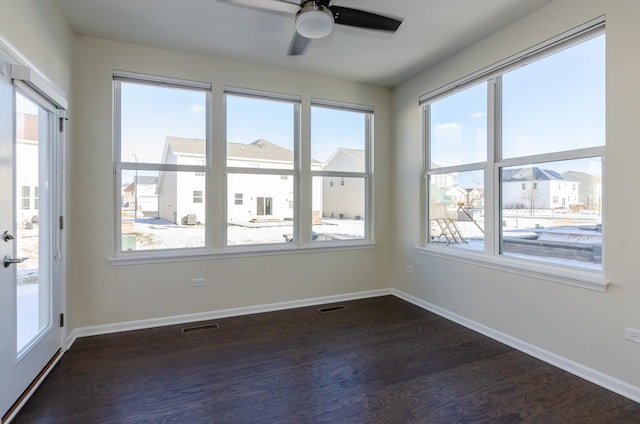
x: 156, y: 233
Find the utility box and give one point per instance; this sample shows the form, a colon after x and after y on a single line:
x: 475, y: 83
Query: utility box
x: 190, y: 219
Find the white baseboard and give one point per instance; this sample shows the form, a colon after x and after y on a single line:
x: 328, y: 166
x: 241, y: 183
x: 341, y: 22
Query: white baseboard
x: 223, y: 313
x: 610, y: 383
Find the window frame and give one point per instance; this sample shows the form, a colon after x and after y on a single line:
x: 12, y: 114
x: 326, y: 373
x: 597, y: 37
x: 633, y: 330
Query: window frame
x: 366, y: 175
x: 491, y: 256
x: 217, y: 201
x: 296, y: 102
x: 119, y: 165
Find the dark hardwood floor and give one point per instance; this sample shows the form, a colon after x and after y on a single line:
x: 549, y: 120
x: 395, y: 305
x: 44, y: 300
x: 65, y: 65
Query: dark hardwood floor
x: 380, y: 360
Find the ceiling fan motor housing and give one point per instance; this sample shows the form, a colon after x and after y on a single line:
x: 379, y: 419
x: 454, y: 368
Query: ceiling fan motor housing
x: 314, y: 20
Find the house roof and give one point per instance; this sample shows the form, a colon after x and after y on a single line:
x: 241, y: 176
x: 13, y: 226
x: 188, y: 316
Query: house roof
x: 530, y: 173
x: 356, y: 153
x: 186, y: 146
x: 258, y: 150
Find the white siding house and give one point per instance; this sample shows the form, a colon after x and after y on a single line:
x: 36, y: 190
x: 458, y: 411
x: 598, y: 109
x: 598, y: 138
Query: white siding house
x: 181, y: 194
x: 344, y: 197
x: 535, y: 188
x: 250, y: 197
x: 27, y: 174
x: 146, y: 199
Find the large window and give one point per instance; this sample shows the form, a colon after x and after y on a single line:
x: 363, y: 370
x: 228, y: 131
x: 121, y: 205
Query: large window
x: 340, y: 156
x: 161, y: 162
x: 261, y: 167
x: 258, y: 182
x: 515, y: 158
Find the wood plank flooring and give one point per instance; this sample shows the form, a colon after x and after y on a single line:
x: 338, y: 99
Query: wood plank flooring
x: 380, y: 360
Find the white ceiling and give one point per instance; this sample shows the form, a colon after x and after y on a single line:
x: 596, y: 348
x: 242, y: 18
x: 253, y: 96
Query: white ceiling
x: 432, y: 30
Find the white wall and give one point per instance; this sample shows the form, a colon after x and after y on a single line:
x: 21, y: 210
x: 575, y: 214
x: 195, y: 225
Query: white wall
x: 105, y: 293
x: 38, y: 30
x: 581, y: 325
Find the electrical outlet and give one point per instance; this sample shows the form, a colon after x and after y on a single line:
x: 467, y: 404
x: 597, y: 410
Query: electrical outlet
x: 632, y: 335
x: 409, y: 269
x: 197, y: 282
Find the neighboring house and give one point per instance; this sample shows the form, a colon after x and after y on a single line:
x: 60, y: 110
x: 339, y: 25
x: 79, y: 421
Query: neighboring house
x: 250, y: 197
x: 457, y: 194
x: 27, y: 177
x: 590, y: 193
x: 535, y: 188
x: 475, y: 198
x: 344, y: 197
x: 146, y: 199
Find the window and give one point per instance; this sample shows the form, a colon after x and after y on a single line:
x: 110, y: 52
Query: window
x: 160, y: 132
x: 340, y: 148
x: 26, y: 198
x: 268, y: 192
x: 262, y: 163
x: 541, y: 161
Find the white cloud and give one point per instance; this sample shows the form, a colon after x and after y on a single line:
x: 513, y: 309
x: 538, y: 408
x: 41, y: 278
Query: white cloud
x: 196, y: 109
x: 479, y: 115
x: 448, y: 126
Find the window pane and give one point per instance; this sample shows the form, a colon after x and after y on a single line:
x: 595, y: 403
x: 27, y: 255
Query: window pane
x: 458, y: 133
x: 456, y: 209
x: 338, y: 210
x: 160, y: 211
x: 338, y: 140
x: 556, y: 103
x: 553, y: 212
x: 262, y: 214
x: 150, y: 114
x: 260, y: 133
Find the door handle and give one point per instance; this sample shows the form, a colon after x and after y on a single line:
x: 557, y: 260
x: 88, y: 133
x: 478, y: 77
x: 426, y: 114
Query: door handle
x: 7, y: 260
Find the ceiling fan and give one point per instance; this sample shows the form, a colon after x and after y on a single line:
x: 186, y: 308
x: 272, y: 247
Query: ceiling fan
x: 315, y: 18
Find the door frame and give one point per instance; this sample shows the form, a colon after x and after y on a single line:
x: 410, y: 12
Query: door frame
x: 18, y: 68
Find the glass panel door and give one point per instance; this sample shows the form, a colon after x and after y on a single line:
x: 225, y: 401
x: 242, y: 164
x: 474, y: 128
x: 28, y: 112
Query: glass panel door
x: 33, y: 291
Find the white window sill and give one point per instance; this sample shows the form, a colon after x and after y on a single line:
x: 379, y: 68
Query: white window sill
x: 177, y: 255
x: 571, y: 276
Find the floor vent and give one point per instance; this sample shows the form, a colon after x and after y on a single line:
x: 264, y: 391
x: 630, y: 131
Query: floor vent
x: 199, y: 328
x: 332, y: 309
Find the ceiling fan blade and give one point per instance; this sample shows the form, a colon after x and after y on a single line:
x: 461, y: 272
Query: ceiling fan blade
x: 282, y: 7
x: 361, y: 19
x: 298, y: 44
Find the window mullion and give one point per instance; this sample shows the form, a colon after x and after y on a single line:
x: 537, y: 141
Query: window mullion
x: 492, y: 178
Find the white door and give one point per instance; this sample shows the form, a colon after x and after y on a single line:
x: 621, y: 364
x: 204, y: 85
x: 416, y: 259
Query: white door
x: 30, y: 299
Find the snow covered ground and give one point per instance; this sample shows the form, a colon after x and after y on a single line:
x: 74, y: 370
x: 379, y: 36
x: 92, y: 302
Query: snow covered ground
x: 156, y: 233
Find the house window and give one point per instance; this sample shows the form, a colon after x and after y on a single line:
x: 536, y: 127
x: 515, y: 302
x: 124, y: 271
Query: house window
x: 340, y: 149
x: 36, y: 198
x: 547, y: 145
x: 25, y: 199
x: 261, y: 162
x: 238, y: 199
x: 156, y: 170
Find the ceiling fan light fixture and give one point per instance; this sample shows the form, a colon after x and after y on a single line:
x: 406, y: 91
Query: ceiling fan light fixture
x: 314, y: 21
